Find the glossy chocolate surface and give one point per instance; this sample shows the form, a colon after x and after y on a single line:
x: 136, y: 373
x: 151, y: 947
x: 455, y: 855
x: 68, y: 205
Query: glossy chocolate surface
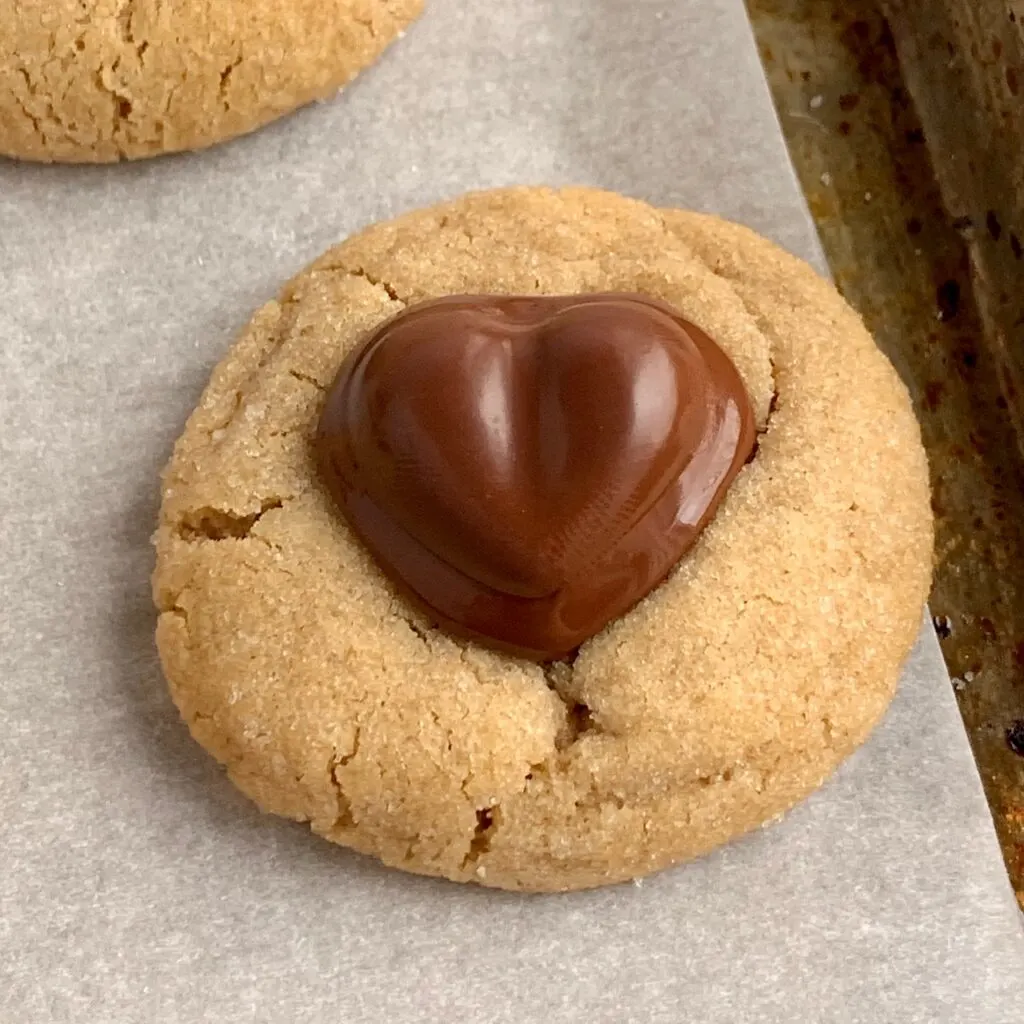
x: 529, y: 468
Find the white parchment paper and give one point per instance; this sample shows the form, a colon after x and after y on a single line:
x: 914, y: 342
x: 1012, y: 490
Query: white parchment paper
x: 135, y: 884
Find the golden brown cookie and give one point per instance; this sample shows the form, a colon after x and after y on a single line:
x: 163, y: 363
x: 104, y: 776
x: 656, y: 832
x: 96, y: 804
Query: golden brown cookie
x: 723, y: 698
x: 95, y: 81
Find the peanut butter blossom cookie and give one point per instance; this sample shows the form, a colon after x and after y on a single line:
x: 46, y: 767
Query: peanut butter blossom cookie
x: 102, y: 80
x: 543, y: 539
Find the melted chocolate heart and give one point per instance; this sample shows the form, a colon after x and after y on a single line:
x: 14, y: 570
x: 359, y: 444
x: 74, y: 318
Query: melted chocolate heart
x: 530, y: 467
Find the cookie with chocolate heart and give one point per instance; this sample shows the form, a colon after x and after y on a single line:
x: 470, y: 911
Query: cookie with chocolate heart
x: 96, y: 81
x: 543, y: 539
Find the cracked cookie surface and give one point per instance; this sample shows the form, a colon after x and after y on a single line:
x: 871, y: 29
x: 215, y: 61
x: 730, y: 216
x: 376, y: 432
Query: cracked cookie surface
x: 88, y: 81
x: 723, y: 698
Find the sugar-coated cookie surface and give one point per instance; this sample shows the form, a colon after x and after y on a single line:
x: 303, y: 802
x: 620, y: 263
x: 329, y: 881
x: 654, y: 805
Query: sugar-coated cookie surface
x: 727, y: 695
x: 103, y: 80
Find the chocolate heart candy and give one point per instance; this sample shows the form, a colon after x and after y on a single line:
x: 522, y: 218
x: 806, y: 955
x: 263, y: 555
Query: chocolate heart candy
x: 530, y: 467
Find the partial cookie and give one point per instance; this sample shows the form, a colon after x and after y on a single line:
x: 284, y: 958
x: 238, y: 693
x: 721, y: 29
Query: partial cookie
x: 95, y: 81
x: 723, y: 698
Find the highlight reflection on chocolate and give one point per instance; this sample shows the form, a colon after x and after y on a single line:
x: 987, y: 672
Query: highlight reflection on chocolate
x: 530, y: 467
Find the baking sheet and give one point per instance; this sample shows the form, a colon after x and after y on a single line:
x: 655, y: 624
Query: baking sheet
x: 137, y: 885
